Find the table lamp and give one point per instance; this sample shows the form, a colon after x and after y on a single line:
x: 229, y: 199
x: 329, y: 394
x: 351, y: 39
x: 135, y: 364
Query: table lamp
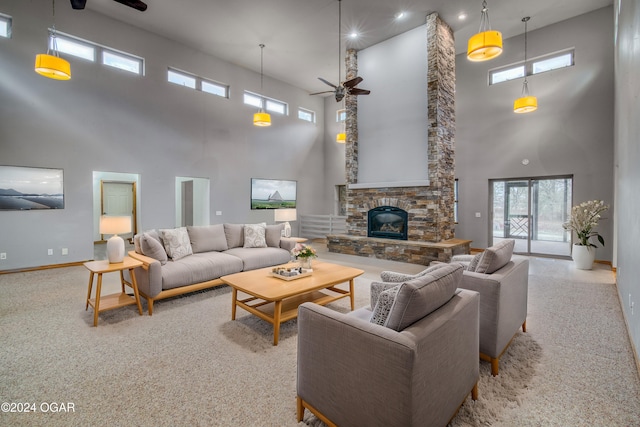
x: 115, y: 245
x: 286, y: 215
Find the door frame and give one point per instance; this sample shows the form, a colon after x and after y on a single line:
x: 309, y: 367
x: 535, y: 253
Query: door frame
x: 134, y: 203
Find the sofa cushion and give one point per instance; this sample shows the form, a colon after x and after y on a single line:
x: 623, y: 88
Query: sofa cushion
x: 255, y: 235
x: 419, y: 297
x: 198, y: 268
x: 234, y: 234
x: 273, y: 234
x: 253, y: 258
x: 495, y: 257
x: 207, y: 238
x: 152, y: 248
x: 176, y: 242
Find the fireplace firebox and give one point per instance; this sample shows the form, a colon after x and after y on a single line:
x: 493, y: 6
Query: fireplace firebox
x: 387, y: 222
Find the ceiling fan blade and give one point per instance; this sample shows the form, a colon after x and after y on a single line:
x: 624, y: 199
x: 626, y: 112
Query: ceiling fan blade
x: 356, y: 91
x: 136, y: 4
x: 326, y: 91
x: 354, y: 81
x: 328, y: 83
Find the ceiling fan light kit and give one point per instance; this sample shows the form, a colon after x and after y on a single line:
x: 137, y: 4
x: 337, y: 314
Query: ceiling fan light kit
x: 487, y: 43
x: 526, y: 103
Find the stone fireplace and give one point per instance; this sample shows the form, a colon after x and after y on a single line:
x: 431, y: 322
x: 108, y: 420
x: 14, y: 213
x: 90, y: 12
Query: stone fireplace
x: 405, y: 222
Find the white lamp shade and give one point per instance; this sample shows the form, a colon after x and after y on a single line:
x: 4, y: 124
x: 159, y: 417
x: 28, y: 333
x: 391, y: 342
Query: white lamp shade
x: 115, y: 224
x: 115, y: 245
x: 285, y: 215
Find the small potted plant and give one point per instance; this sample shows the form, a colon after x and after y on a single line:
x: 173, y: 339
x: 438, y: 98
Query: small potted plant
x: 304, y: 254
x: 584, y: 218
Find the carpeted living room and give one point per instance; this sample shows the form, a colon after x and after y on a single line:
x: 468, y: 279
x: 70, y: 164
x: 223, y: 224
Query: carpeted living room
x: 200, y: 116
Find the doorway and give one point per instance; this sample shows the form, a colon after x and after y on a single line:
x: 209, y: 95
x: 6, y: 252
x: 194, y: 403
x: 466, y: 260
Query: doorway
x: 531, y: 211
x: 118, y: 198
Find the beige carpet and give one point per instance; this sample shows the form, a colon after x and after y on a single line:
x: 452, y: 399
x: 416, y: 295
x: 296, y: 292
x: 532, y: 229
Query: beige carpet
x: 190, y: 365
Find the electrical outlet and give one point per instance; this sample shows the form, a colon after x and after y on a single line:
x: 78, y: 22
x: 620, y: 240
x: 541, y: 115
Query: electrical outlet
x: 49, y: 251
x: 3, y: 255
x: 478, y: 215
x: 65, y: 251
x: 632, y: 304
x: 218, y: 213
x: 629, y: 300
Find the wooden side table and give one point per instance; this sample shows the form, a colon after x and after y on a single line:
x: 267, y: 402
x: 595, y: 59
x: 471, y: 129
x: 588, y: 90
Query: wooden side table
x: 109, y: 302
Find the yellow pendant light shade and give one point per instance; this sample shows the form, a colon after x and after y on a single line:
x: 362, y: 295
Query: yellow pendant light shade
x: 52, y: 67
x: 487, y: 43
x: 341, y: 138
x: 526, y: 104
x: 484, y: 46
x: 261, y: 119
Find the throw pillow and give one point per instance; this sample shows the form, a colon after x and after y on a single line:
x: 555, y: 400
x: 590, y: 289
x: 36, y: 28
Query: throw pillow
x: 152, y: 248
x: 207, y: 238
x: 392, y: 276
x: 273, y: 235
x: 420, y: 297
x: 495, y: 257
x: 473, y: 264
x: 383, y: 306
x: 234, y: 234
x: 176, y: 242
x: 255, y: 235
x: 376, y: 288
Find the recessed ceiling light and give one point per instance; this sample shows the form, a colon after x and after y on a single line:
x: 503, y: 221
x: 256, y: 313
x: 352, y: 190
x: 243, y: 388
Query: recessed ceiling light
x: 462, y: 16
x: 400, y: 15
x: 353, y: 35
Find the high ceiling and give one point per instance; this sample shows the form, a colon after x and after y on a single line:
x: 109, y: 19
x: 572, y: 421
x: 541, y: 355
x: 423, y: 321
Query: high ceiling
x: 301, y: 36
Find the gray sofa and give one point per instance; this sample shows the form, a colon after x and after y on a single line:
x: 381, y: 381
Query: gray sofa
x: 411, y: 366
x: 188, y: 259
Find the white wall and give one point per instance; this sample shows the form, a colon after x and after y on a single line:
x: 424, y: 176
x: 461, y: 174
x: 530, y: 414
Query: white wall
x: 627, y: 136
x: 107, y: 120
x: 570, y: 133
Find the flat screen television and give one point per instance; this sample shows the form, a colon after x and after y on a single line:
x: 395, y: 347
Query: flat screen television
x: 273, y: 194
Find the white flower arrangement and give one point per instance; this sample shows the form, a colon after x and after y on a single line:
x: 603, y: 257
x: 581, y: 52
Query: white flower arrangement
x: 584, y: 218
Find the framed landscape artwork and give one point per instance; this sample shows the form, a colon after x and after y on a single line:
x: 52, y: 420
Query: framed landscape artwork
x: 273, y: 194
x: 27, y: 188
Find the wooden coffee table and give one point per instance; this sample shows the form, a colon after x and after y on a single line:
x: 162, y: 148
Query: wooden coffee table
x: 276, y: 300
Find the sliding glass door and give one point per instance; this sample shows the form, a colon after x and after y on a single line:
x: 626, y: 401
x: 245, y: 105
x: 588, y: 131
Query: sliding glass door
x: 532, y: 211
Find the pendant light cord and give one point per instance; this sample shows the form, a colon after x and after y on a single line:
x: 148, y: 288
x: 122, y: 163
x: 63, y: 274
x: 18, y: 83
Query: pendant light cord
x: 485, y: 24
x: 339, y: 41
x: 525, y: 86
x: 261, y: 63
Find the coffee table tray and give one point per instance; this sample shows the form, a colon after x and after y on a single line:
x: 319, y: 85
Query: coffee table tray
x: 305, y: 273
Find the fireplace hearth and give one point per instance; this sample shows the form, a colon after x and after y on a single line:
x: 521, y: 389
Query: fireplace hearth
x: 387, y: 222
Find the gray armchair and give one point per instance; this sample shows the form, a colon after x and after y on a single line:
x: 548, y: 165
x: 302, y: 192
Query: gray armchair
x: 352, y: 372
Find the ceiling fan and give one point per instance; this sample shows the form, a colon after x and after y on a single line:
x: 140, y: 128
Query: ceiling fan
x: 348, y: 87
x: 136, y: 4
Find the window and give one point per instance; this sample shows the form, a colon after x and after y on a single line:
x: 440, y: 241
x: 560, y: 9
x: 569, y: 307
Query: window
x: 192, y: 81
x: 5, y: 26
x: 341, y: 115
x: 122, y: 61
x: 269, y: 104
x: 537, y: 65
x: 455, y: 201
x: 89, y: 51
x: 73, y: 47
x: 306, y: 115
x: 181, y: 79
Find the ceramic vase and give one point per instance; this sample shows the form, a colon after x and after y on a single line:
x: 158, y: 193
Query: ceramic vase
x: 583, y: 256
x: 305, y: 262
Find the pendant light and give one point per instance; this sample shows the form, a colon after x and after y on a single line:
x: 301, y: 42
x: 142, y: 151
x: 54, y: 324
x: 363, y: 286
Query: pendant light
x: 487, y: 44
x: 526, y: 103
x: 50, y: 64
x: 261, y: 118
x: 341, y: 137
